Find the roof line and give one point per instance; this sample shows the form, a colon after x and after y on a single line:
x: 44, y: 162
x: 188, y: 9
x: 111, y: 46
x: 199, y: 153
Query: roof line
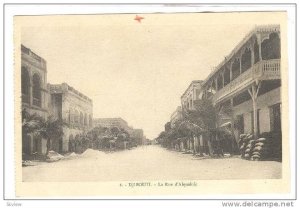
x: 192, y: 82
x: 238, y: 47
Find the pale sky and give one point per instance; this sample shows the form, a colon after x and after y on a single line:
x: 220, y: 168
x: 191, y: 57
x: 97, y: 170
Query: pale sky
x: 136, y: 71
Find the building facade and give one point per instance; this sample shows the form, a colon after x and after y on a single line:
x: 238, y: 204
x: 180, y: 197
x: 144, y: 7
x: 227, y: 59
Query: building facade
x: 120, y: 123
x: 34, y: 96
x: 176, y: 116
x: 112, y: 122
x: 75, y: 109
x: 246, y: 86
x: 191, y: 94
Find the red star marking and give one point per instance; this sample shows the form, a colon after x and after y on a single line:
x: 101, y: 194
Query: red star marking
x: 138, y: 18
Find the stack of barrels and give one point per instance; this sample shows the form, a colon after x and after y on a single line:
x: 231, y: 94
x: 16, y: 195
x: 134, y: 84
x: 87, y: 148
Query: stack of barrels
x: 261, y: 149
x: 246, y: 144
x: 267, y: 146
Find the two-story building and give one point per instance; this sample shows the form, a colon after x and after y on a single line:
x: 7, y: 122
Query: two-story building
x: 34, y: 96
x: 120, y: 123
x: 176, y: 116
x: 74, y: 108
x: 112, y: 122
x: 191, y: 94
x: 246, y: 85
x: 60, y: 101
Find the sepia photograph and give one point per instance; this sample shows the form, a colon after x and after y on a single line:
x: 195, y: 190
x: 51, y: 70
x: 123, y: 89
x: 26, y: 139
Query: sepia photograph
x: 174, y: 99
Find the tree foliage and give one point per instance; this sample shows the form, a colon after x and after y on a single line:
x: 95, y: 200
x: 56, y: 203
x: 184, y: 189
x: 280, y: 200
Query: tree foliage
x: 103, y: 137
x: 50, y: 129
x: 201, y: 120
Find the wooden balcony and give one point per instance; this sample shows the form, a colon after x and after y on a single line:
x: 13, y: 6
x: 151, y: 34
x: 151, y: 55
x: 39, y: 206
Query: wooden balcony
x: 262, y: 70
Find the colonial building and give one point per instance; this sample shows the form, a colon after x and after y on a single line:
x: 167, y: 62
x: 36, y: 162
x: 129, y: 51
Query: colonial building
x: 34, y: 96
x: 246, y: 85
x: 72, y: 107
x: 176, y: 116
x: 112, y: 122
x: 120, y: 123
x: 191, y: 94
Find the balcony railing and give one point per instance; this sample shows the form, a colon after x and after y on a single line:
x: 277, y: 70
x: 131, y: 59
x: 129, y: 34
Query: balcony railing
x: 263, y: 70
x: 267, y: 69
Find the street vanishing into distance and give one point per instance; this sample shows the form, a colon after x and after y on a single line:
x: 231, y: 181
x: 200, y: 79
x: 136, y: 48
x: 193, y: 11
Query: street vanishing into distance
x: 150, y: 162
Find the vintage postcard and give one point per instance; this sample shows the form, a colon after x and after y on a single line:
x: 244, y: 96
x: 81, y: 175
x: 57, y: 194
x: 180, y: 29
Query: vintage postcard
x: 151, y: 104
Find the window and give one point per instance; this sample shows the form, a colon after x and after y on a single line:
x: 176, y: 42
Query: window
x: 36, y: 90
x: 85, y: 119
x: 76, y: 116
x: 25, y: 85
x: 71, y: 116
x: 90, y: 121
x: 275, y: 117
x: 81, y: 118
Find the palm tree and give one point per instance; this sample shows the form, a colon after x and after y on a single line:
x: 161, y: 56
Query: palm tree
x: 189, y: 129
x: 171, y: 136
x: 162, y: 138
x: 97, y: 134
x: 30, y: 122
x: 51, y: 130
x: 115, y: 131
x: 203, y: 120
x: 30, y: 126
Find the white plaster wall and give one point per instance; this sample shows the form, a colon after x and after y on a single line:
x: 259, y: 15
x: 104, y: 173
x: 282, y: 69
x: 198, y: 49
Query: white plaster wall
x: 247, y: 123
x: 201, y: 140
x: 267, y: 99
x: 264, y: 120
x: 263, y: 103
x: 66, y: 136
x: 44, y: 146
x: 70, y: 100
